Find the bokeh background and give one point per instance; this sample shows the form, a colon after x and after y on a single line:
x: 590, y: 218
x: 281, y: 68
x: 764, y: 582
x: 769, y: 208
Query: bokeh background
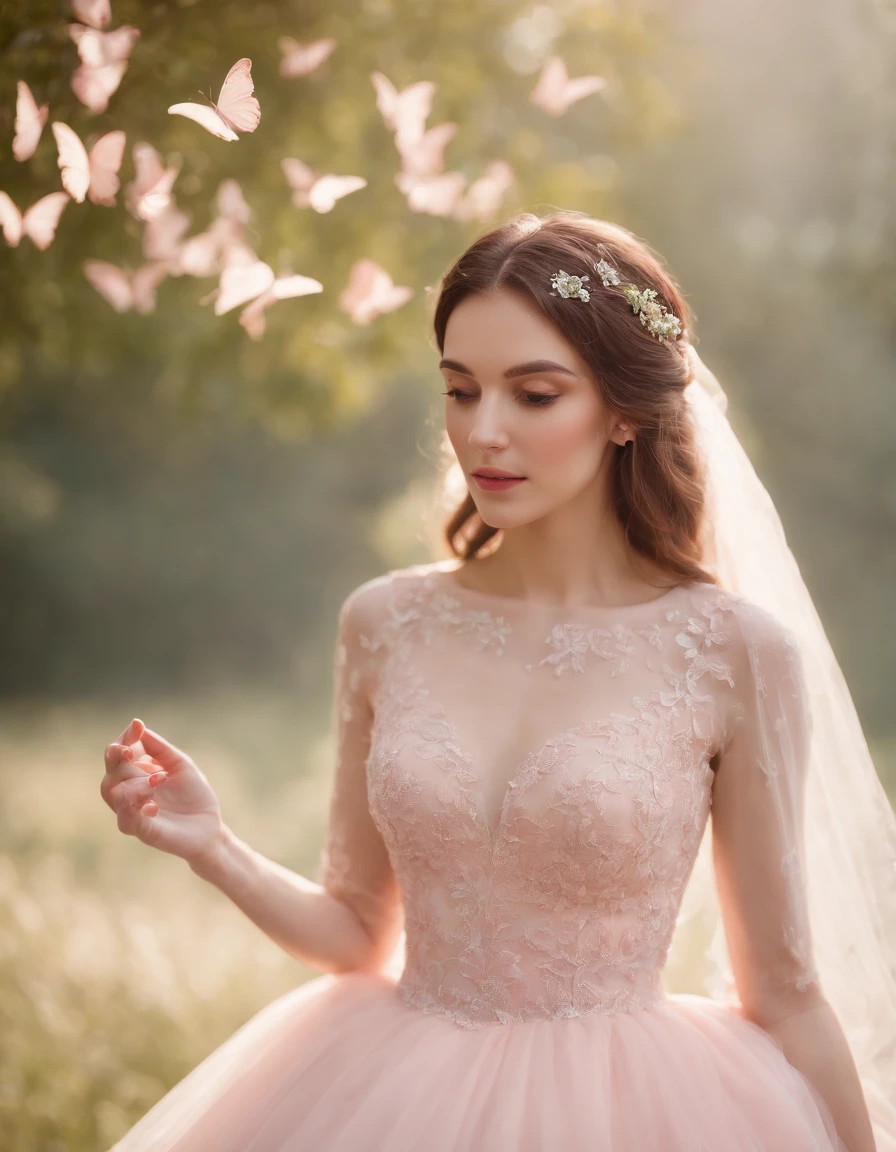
x: 183, y: 508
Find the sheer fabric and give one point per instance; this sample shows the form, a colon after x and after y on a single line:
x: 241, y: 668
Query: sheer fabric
x: 540, y: 779
x: 520, y: 795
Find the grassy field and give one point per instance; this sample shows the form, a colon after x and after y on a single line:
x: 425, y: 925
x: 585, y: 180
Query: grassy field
x: 119, y: 969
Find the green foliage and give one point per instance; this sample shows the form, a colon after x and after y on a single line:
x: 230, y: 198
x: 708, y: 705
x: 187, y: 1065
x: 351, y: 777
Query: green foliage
x: 166, y: 468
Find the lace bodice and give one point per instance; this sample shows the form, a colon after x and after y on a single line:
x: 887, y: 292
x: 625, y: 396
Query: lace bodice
x: 523, y: 788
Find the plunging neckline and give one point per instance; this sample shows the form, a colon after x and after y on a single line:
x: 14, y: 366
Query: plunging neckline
x: 494, y: 832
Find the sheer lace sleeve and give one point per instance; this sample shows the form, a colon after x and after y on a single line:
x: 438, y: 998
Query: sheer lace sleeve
x: 354, y: 863
x: 757, y: 820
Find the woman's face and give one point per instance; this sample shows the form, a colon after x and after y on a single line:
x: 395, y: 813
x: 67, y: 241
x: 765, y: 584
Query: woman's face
x: 521, y: 399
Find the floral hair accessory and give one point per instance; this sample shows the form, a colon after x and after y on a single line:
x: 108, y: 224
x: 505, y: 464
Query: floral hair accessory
x: 656, y: 318
x: 568, y: 285
x: 607, y: 273
x: 659, y: 321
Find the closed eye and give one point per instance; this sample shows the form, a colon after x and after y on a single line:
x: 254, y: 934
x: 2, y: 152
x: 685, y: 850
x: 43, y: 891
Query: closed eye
x: 533, y: 399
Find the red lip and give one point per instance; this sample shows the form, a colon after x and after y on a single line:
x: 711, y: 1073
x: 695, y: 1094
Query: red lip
x: 497, y: 474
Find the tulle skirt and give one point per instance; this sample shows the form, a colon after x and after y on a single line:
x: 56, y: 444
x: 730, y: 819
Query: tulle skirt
x: 342, y: 1064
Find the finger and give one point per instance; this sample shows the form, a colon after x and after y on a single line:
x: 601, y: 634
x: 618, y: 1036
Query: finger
x: 150, y: 808
x: 134, y: 793
x: 170, y: 757
x: 115, y: 753
x: 133, y: 732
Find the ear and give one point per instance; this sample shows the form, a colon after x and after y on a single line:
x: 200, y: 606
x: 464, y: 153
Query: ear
x: 621, y: 433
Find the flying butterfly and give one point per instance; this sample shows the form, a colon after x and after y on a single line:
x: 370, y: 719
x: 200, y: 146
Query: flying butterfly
x: 93, y: 174
x: 236, y: 111
x: 38, y: 223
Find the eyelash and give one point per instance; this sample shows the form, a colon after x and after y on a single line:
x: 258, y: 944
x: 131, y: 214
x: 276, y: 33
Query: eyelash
x: 533, y: 399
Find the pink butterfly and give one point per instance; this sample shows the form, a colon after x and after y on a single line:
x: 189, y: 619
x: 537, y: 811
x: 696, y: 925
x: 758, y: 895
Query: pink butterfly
x: 371, y: 292
x: 96, y: 13
x: 424, y: 156
x: 437, y: 195
x: 124, y: 289
x: 483, y: 198
x: 231, y: 203
x: 555, y: 92
x: 237, y: 110
x: 405, y: 112
x: 104, y: 61
x: 285, y: 287
x: 97, y: 49
x: 148, y: 195
x: 39, y: 222
x: 30, y: 121
x: 318, y: 192
x: 162, y: 236
x: 301, y: 59
x: 94, y: 175
x: 94, y: 86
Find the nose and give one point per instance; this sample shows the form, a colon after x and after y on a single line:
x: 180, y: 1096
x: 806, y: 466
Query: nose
x: 488, y: 429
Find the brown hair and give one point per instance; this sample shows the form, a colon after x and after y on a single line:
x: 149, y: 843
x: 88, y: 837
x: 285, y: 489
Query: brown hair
x: 658, y: 487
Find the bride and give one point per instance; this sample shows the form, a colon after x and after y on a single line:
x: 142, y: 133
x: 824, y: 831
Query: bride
x: 532, y: 737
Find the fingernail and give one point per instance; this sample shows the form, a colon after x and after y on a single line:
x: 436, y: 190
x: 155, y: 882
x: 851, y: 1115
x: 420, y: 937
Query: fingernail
x: 157, y: 778
x: 128, y: 754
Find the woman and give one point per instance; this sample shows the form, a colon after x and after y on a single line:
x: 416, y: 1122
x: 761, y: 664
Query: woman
x: 532, y: 736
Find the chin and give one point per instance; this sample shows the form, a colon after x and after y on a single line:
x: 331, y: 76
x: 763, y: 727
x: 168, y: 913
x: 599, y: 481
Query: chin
x: 496, y: 518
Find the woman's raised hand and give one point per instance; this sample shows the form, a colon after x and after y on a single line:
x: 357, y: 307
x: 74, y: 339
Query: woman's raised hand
x: 159, y: 794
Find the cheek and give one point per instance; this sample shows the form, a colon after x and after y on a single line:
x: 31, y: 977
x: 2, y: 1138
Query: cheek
x: 564, y: 438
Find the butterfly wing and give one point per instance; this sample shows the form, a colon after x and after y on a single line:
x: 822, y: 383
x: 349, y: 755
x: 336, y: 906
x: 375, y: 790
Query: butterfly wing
x: 425, y: 156
x: 328, y: 189
x: 301, y: 179
x: 231, y: 204
x: 118, y: 45
x: 483, y: 198
x: 144, y: 283
x: 162, y: 235
x: 240, y: 283
x: 434, y: 195
x: 30, y: 122
x: 236, y: 105
x: 252, y: 316
x: 288, y: 287
x: 42, y: 218
x: 301, y: 59
x: 10, y: 221
x: 112, y: 283
x: 73, y: 161
x: 403, y: 112
x: 96, y: 13
x: 94, y: 86
x: 148, y: 196
x: 370, y: 292
x: 105, y: 160
x: 555, y: 92
x: 207, y: 117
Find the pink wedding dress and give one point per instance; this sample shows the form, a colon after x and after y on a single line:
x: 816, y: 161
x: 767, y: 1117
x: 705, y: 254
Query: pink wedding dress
x: 520, y: 795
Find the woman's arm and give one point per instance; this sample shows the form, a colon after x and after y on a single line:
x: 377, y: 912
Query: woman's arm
x: 352, y: 919
x: 757, y: 814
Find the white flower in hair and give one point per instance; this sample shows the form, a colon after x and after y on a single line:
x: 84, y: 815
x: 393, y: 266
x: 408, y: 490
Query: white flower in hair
x: 569, y: 286
x: 656, y: 319
x: 607, y: 273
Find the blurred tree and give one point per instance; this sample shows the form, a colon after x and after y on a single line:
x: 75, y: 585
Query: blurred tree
x: 158, y: 476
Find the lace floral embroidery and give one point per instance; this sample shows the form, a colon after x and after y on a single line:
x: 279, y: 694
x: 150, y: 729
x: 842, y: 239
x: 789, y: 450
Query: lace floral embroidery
x: 564, y: 901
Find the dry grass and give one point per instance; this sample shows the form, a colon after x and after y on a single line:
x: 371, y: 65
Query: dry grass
x: 119, y: 969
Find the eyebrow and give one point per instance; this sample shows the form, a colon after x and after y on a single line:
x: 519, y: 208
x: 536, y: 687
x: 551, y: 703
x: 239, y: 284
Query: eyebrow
x: 527, y: 369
